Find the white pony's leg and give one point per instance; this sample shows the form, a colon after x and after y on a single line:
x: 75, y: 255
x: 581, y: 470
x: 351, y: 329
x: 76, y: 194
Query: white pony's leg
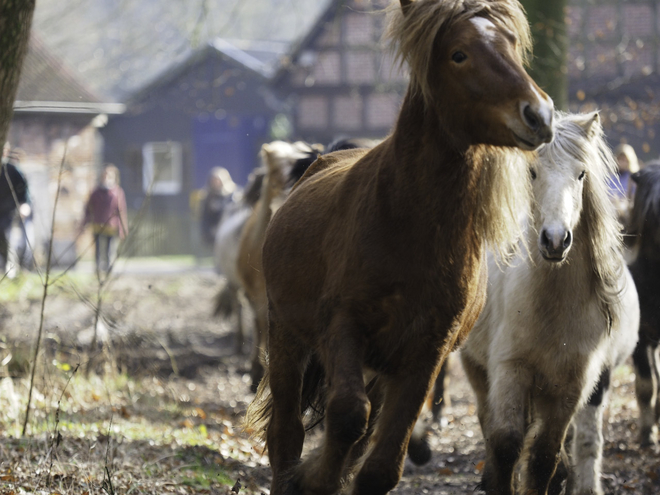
x: 587, y: 444
x: 505, y: 426
x: 478, y: 377
x: 554, y: 412
x: 587, y: 452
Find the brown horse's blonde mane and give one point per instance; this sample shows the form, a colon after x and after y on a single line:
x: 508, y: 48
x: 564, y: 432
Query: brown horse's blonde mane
x: 598, y: 216
x: 412, y: 33
x: 504, y: 192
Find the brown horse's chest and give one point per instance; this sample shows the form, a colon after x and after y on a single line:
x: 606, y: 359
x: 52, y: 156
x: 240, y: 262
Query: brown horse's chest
x: 427, y: 319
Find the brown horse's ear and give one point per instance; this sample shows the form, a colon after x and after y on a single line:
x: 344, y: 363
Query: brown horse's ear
x: 405, y: 4
x: 589, y: 122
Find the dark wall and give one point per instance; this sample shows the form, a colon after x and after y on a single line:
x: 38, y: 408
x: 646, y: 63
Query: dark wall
x: 215, y: 108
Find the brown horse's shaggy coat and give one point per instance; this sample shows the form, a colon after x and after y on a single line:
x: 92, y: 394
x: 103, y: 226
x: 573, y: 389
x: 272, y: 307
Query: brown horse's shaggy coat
x: 374, y: 265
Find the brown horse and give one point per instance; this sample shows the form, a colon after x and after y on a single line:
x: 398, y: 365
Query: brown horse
x: 375, y: 264
x: 281, y: 160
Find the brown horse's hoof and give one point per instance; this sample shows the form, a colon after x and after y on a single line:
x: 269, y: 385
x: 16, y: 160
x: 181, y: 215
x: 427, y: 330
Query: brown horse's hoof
x: 419, y: 450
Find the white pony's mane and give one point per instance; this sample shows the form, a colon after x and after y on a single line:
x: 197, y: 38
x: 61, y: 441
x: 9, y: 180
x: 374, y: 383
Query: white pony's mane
x: 598, y: 221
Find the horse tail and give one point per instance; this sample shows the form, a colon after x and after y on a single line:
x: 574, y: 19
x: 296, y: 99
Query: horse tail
x: 260, y: 409
x: 312, y: 401
x: 314, y: 391
x: 225, y: 301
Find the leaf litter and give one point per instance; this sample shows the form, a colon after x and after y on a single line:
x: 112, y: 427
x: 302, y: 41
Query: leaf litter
x: 134, y: 426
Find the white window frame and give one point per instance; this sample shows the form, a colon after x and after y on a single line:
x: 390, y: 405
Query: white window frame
x: 150, y: 183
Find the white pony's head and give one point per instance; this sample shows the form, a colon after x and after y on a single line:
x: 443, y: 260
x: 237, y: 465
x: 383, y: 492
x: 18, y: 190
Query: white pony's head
x: 569, y: 180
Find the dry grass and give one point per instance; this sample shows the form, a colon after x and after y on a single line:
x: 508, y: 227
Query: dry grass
x: 147, y: 430
x: 118, y: 434
x: 110, y: 432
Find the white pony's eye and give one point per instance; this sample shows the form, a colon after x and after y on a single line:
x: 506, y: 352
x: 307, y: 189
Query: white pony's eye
x: 532, y: 172
x: 581, y: 175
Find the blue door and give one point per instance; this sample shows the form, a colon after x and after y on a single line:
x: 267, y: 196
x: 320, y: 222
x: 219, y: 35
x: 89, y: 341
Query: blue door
x: 232, y: 142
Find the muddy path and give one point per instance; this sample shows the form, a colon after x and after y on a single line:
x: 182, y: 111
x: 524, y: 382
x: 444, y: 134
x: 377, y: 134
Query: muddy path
x: 158, y: 331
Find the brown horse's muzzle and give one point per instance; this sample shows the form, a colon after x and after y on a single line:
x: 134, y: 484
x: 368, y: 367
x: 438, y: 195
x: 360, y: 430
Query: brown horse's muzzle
x: 537, y: 117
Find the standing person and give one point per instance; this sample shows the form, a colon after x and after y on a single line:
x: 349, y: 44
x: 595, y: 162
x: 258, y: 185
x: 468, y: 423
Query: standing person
x: 14, y: 196
x: 106, y: 211
x: 622, y: 186
x: 219, y: 189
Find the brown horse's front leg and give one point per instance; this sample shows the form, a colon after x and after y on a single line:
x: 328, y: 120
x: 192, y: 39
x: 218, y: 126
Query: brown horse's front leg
x: 403, y: 400
x: 347, y: 411
x: 285, y: 434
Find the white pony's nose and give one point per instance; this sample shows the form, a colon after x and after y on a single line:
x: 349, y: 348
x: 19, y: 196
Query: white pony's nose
x: 555, y: 243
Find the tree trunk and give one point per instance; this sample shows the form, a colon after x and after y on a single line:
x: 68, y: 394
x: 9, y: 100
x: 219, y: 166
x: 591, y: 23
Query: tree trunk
x: 549, y: 69
x: 15, y: 22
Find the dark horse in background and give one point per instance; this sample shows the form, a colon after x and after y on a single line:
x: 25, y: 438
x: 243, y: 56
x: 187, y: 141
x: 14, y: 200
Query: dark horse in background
x: 644, y: 229
x: 375, y: 264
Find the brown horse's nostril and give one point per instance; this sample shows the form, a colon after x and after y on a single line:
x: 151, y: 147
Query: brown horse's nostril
x: 531, y: 118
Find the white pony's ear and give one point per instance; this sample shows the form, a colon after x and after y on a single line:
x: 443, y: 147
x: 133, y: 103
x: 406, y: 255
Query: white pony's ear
x: 590, y: 123
x: 405, y: 4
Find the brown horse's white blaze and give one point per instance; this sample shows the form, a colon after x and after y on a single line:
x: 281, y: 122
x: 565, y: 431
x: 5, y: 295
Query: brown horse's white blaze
x: 375, y: 263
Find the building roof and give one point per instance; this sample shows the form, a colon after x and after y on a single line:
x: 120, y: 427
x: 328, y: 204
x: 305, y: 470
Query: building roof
x: 301, y: 44
x: 117, y: 48
x: 48, y: 85
x: 259, y: 58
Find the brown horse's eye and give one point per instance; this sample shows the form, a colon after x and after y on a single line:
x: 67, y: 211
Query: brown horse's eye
x: 532, y: 172
x: 581, y: 175
x: 459, y: 57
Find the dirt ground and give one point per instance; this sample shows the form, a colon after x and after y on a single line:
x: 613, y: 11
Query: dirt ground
x: 161, y: 408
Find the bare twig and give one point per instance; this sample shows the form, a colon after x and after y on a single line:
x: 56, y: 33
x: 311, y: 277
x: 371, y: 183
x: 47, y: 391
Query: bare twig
x: 106, y: 485
x: 57, y: 437
x: 46, y: 286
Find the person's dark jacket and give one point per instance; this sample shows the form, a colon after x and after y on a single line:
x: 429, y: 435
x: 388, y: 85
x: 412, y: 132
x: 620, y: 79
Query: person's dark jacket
x: 10, y: 173
x: 213, y: 207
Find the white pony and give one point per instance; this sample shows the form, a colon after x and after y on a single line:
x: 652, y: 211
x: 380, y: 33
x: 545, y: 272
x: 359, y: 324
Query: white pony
x: 229, y: 233
x: 555, y: 323
x: 230, y: 298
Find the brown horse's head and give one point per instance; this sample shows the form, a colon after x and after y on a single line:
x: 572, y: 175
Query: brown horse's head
x: 467, y: 58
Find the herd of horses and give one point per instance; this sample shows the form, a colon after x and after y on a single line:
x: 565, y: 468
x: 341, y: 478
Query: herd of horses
x: 483, y: 222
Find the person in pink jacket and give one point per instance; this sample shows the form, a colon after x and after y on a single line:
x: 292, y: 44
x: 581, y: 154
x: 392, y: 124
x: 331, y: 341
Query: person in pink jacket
x: 106, y: 211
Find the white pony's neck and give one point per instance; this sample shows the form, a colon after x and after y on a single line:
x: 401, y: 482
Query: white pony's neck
x: 573, y: 279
